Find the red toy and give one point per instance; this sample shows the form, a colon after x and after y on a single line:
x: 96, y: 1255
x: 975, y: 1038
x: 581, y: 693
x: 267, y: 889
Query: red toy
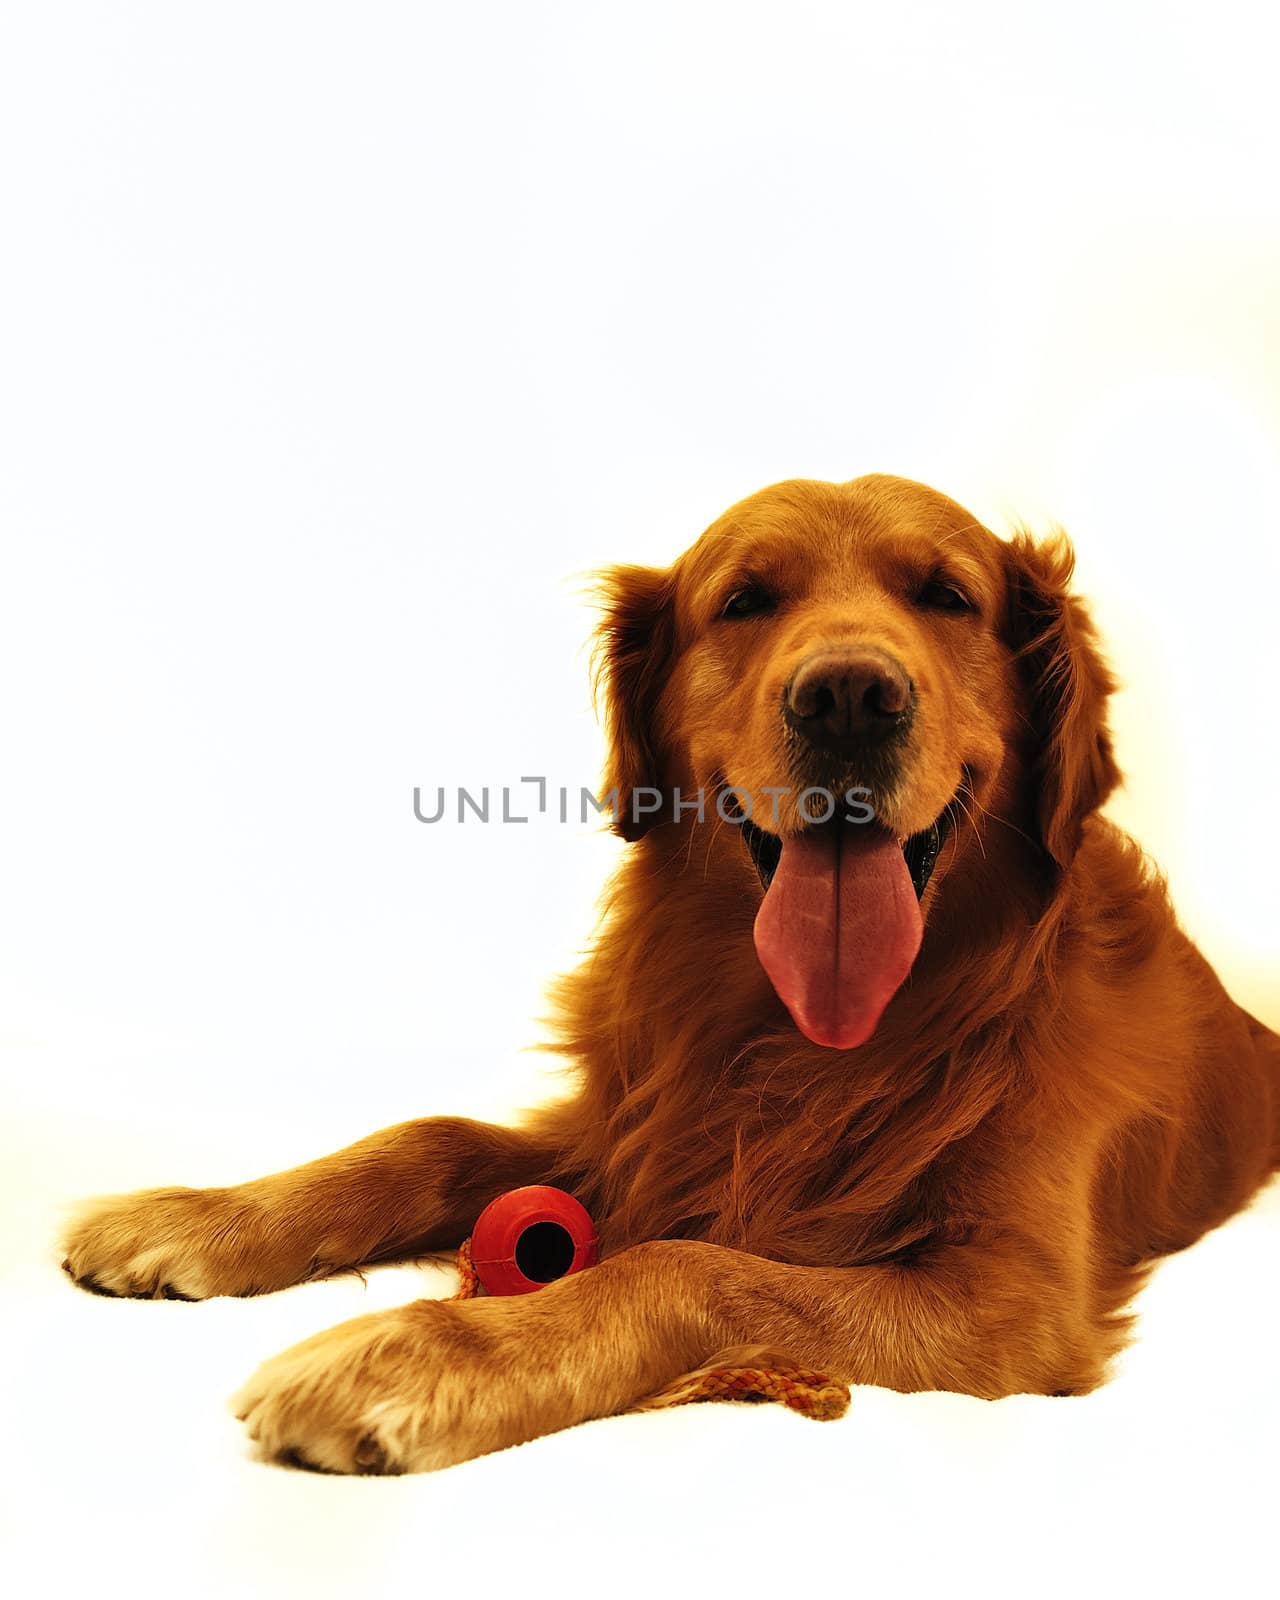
x: 529, y: 1237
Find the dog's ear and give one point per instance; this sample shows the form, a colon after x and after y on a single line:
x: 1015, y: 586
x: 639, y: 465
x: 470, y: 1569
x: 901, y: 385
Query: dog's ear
x: 1067, y: 685
x: 634, y: 648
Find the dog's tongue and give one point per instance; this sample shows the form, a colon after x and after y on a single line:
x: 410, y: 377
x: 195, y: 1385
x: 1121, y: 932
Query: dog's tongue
x: 838, y: 930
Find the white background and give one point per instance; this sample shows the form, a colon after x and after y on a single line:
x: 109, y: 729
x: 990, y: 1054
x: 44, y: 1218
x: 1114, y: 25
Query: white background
x: 338, y: 345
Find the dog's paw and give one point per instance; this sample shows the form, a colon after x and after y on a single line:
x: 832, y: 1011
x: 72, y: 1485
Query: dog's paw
x: 409, y: 1390
x: 173, y: 1244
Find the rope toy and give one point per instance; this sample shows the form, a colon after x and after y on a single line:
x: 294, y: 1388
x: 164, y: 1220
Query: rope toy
x: 530, y: 1237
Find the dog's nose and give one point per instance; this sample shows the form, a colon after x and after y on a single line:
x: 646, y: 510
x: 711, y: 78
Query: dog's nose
x: 847, y: 697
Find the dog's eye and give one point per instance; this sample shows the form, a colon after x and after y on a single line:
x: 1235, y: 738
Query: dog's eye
x: 940, y: 594
x: 749, y: 602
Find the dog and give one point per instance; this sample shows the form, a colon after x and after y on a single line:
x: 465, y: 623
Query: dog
x: 912, y: 1094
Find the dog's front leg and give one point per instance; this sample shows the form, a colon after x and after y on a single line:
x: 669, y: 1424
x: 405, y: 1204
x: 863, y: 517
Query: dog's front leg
x: 437, y: 1382
x: 414, y: 1187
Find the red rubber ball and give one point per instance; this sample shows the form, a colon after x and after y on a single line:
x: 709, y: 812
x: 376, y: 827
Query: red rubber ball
x: 529, y: 1237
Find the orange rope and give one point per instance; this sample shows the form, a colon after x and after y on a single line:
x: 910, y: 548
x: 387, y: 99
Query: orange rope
x: 748, y: 1373
x: 470, y: 1285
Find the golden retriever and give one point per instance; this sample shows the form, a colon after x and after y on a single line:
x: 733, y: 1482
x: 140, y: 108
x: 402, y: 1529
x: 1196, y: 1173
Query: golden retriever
x: 911, y: 1092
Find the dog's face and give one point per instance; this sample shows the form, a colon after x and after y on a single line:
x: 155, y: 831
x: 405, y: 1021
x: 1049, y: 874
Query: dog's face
x: 830, y: 642
x: 863, y: 672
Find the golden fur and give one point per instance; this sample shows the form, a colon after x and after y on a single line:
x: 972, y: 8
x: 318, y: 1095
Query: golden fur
x: 1060, y: 1093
